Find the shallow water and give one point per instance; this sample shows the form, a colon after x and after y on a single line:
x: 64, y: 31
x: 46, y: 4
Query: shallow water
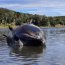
x: 53, y: 54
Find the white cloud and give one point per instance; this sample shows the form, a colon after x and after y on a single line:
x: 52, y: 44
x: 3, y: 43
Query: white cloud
x: 35, y: 5
x: 41, y: 7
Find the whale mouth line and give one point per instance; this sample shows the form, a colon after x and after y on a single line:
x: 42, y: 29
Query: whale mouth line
x: 30, y: 36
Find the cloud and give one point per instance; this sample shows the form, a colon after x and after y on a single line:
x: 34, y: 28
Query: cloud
x: 47, y: 7
x: 35, y: 5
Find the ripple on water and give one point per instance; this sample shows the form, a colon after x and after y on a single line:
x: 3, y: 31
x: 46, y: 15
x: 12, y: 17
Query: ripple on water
x: 53, y: 54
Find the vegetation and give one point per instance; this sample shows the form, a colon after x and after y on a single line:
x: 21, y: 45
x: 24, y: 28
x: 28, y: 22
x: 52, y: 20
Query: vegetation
x: 16, y: 18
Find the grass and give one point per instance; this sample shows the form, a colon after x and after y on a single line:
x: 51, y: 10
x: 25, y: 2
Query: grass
x: 7, y: 25
x: 56, y: 26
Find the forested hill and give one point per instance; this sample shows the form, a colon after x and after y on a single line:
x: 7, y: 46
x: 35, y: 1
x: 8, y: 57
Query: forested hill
x: 9, y: 17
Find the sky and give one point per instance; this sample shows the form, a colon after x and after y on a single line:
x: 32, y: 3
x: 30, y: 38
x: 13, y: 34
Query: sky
x: 41, y: 7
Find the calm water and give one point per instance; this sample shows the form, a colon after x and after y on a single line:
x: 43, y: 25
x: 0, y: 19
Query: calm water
x: 53, y: 54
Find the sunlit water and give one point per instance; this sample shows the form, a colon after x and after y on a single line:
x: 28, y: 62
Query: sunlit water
x: 53, y: 54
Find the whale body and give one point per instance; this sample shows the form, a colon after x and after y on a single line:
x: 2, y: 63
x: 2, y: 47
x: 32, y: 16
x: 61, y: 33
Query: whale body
x: 28, y: 34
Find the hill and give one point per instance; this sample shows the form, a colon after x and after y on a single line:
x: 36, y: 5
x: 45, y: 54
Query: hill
x: 9, y: 16
x: 17, y: 18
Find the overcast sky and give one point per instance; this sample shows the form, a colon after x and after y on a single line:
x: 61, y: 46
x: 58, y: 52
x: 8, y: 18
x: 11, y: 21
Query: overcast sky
x: 42, y: 7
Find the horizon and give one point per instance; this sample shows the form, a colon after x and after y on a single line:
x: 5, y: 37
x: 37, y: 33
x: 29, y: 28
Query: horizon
x: 47, y: 8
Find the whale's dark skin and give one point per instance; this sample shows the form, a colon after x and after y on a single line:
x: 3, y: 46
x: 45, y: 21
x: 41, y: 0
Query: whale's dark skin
x: 28, y: 34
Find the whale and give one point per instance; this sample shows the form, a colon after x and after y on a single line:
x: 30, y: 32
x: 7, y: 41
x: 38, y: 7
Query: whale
x: 26, y: 35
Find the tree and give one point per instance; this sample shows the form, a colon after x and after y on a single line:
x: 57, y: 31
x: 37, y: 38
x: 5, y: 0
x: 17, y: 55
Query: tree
x: 44, y: 21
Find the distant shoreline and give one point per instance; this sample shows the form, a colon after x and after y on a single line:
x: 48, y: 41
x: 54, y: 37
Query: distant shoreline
x: 14, y: 26
x: 6, y: 26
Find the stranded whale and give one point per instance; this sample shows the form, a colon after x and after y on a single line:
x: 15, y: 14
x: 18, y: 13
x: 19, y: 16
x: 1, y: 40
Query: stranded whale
x: 26, y: 35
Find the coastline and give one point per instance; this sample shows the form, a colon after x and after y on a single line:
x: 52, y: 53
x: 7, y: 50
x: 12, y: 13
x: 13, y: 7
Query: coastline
x: 6, y: 26
x: 14, y: 26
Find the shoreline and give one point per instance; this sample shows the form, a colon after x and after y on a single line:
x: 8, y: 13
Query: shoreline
x: 6, y: 26
x: 14, y: 26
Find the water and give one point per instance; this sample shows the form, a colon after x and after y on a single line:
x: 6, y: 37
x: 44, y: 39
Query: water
x: 53, y: 54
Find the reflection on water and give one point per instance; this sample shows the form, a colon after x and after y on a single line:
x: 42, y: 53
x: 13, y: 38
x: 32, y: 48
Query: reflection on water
x: 27, y: 51
x: 53, y: 54
x: 29, y: 55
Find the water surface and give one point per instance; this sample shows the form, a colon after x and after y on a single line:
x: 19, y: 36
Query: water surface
x: 53, y: 54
